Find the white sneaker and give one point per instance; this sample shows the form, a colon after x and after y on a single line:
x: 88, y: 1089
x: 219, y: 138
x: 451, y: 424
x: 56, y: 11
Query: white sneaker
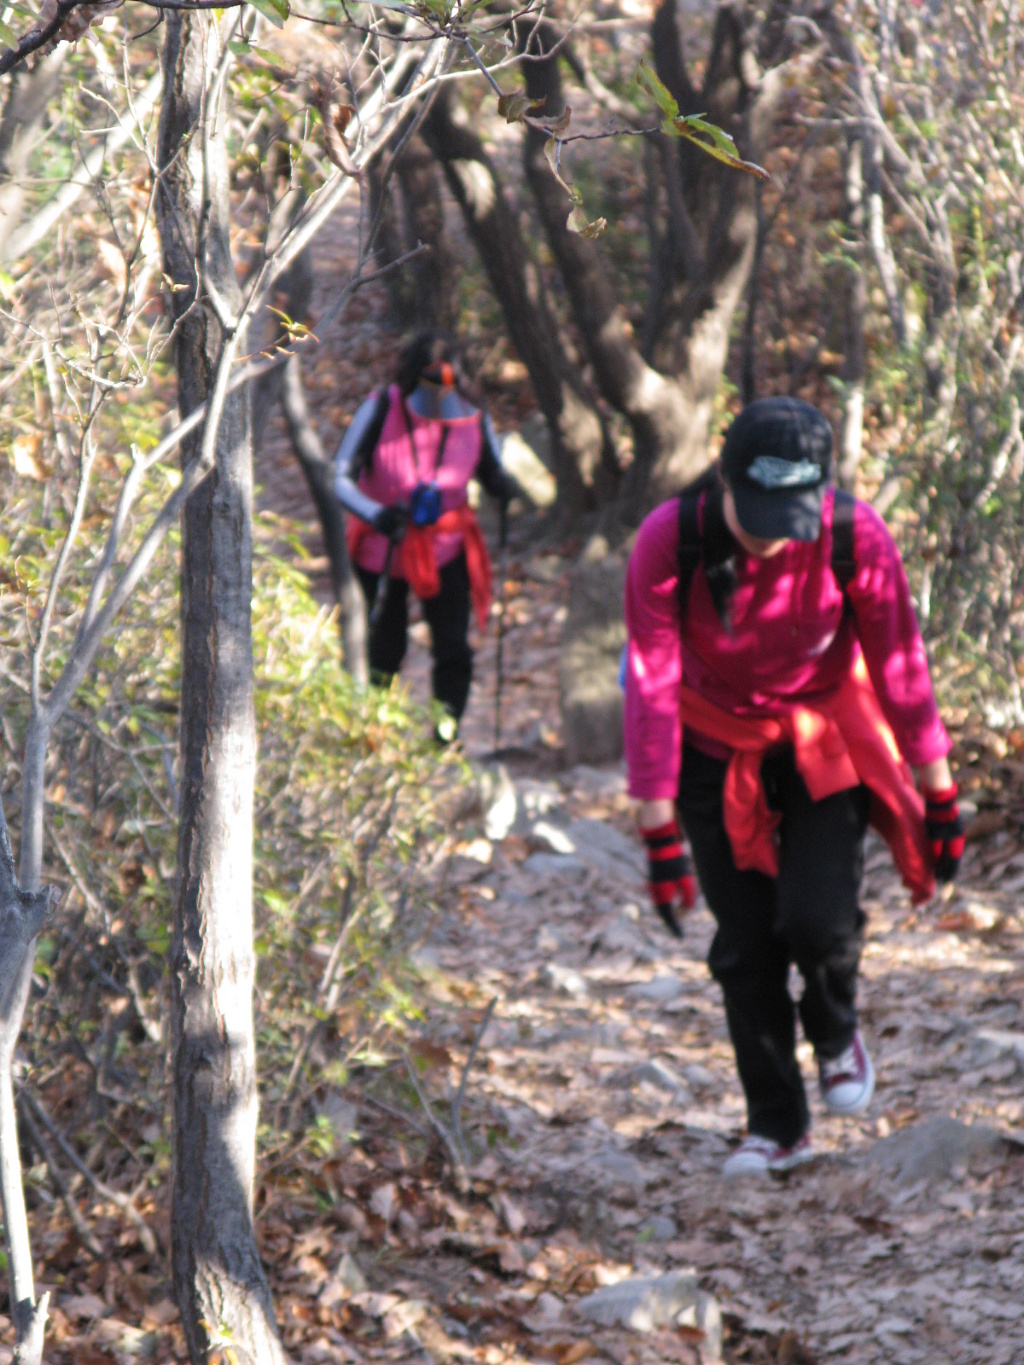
x: 847, y: 1082
x: 760, y: 1155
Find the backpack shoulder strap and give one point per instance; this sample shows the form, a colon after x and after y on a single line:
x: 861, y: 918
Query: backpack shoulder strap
x: 689, y: 550
x: 844, y: 562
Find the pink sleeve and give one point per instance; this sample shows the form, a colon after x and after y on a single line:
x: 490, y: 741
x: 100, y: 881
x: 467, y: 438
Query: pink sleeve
x: 889, y: 636
x: 652, y: 726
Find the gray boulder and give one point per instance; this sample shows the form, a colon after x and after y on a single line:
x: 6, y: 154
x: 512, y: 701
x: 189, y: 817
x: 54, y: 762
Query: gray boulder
x: 645, y: 1302
x: 519, y: 456
x: 588, y: 670
x: 931, y: 1151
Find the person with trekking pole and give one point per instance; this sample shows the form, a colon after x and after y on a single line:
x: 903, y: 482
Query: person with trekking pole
x: 402, y: 473
x: 778, y: 700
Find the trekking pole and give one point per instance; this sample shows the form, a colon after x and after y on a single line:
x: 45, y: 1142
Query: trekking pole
x: 382, y: 584
x: 502, y: 572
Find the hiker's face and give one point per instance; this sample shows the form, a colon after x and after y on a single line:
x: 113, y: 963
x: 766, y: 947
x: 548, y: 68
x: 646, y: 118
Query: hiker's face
x: 763, y: 549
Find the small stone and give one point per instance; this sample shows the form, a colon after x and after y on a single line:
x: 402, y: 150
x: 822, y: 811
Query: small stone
x: 658, y: 1229
x: 546, y: 1312
x: 555, y: 865
x: 342, y: 1117
x: 660, y: 989
x: 552, y: 838
x: 548, y: 941
x: 1001, y: 1041
x: 657, y: 1073
x: 699, y: 1076
x: 931, y: 1151
x: 895, y: 1326
x: 564, y: 979
x: 622, y: 1169
x: 498, y: 799
x: 645, y: 1302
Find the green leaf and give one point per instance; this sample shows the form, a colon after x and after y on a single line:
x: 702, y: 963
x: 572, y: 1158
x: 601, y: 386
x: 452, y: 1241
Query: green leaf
x: 648, y: 81
x: 240, y: 49
x: 277, y: 11
x: 712, y: 140
x: 272, y: 59
x: 7, y: 35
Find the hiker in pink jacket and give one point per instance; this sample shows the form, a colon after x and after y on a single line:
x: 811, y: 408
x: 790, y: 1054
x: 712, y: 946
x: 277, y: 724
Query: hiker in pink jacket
x: 777, y: 698
x: 402, y: 472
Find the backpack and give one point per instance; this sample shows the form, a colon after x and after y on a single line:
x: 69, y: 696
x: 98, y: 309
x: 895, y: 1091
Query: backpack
x: 714, y: 549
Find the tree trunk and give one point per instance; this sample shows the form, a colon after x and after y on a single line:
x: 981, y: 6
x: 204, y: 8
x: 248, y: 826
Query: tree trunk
x: 293, y: 292
x: 320, y: 478
x: 411, y: 214
x: 666, y: 389
x: 579, y: 440
x: 851, y: 431
x: 24, y: 909
x: 654, y: 405
x: 219, y: 1282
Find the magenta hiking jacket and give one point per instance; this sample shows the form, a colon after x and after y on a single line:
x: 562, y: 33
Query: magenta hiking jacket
x: 790, y: 642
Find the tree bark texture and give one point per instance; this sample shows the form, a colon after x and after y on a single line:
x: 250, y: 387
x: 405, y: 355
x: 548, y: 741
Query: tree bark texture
x: 24, y: 911
x: 410, y: 207
x: 707, y: 248
x: 654, y: 404
x: 320, y: 478
x: 294, y: 290
x: 580, y: 442
x: 702, y: 252
x: 854, y: 373
x: 219, y: 1282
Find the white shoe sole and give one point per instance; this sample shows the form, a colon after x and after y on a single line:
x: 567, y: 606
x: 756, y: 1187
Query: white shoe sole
x: 748, y: 1164
x: 860, y: 1104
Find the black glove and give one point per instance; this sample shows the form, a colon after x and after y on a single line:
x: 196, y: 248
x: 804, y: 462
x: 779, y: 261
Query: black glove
x: 392, y: 521
x: 944, y: 826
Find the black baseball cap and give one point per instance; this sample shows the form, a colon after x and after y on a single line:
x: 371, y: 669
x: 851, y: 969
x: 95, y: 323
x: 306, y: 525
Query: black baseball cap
x: 777, y: 459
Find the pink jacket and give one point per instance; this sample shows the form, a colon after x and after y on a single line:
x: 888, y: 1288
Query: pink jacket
x: 790, y: 643
x: 400, y: 464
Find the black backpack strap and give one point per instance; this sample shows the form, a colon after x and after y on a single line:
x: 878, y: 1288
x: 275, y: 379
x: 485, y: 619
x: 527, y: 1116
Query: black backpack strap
x: 705, y: 539
x: 689, y: 550
x: 844, y: 562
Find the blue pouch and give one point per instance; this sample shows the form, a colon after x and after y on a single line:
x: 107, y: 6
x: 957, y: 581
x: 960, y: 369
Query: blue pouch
x: 425, y: 504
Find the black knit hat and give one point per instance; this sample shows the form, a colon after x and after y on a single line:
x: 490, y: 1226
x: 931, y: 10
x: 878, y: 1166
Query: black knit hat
x: 777, y: 459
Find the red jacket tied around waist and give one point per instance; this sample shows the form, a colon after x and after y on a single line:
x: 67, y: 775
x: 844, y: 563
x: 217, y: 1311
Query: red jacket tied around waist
x: 415, y: 556
x: 837, y: 744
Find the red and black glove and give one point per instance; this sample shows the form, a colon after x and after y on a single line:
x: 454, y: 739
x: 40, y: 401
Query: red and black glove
x: 670, y: 873
x: 944, y: 826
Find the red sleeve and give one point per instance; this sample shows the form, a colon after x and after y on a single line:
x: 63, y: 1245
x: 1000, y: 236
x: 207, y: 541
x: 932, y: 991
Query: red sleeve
x: 889, y: 636
x: 652, y: 726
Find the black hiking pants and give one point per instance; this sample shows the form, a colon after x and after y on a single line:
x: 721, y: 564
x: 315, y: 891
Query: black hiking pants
x: 809, y: 915
x: 447, y: 616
